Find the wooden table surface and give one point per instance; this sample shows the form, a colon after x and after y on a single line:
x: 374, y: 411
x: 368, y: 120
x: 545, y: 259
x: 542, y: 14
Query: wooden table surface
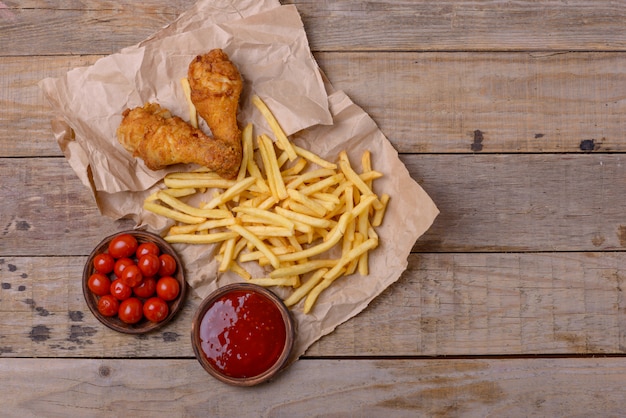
x: 510, y: 114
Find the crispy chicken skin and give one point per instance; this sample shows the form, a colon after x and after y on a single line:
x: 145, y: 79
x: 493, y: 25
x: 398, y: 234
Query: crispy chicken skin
x: 215, y: 89
x: 161, y: 139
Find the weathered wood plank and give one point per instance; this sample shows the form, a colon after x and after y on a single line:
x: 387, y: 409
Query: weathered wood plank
x: 334, y: 25
x: 398, y: 388
x: 443, y: 305
x: 452, y: 25
x: 25, y: 115
x: 49, y: 317
x: 467, y: 102
x: 46, y: 210
x: 424, y: 102
x: 494, y: 203
x: 63, y: 32
x: 529, y: 202
x: 171, y: 6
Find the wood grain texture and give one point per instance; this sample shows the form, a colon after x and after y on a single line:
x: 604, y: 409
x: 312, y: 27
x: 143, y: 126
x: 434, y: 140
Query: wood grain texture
x: 528, y: 202
x: 489, y: 203
x: 39, y: 191
x: 508, y: 113
x: 335, y: 25
x: 373, y: 388
x: 64, y: 31
x: 25, y: 115
x: 443, y: 305
x: 463, y: 25
x: 423, y: 102
x: 488, y: 102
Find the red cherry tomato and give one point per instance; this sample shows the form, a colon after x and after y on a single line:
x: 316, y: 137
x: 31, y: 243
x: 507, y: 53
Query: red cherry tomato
x: 99, y: 284
x: 108, y: 305
x: 131, y: 276
x: 168, y: 265
x: 155, y: 309
x: 123, y: 245
x: 146, y: 289
x: 131, y: 310
x: 103, y: 263
x: 148, y: 248
x: 121, y: 264
x: 168, y: 288
x: 149, y: 265
x: 121, y: 290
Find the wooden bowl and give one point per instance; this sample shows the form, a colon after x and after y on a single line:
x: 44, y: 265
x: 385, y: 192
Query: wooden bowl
x: 144, y: 325
x: 214, y: 328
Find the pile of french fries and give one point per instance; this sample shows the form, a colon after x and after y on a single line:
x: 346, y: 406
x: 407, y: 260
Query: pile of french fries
x: 306, y: 220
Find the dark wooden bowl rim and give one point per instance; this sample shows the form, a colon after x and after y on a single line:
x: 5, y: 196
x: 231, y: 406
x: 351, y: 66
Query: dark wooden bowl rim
x: 144, y: 325
x: 289, y: 328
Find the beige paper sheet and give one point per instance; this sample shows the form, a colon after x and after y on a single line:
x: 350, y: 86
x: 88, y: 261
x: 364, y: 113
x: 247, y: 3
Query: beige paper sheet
x: 268, y: 43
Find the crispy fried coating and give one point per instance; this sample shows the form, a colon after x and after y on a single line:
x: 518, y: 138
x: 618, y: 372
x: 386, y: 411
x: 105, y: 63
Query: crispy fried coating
x: 216, y: 85
x: 159, y: 138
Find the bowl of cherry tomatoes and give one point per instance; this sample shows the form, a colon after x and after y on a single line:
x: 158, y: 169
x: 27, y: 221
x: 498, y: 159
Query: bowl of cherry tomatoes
x: 133, y: 282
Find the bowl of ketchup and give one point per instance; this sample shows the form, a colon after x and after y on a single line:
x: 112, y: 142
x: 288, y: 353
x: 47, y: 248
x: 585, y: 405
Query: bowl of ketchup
x: 242, y: 334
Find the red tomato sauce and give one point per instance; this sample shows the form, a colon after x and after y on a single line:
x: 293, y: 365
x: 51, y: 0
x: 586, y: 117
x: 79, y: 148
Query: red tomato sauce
x: 242, y: 334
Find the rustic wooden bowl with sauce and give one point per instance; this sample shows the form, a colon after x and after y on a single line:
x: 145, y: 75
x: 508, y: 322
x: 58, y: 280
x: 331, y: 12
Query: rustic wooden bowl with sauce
x: 144, y: 325
x: 242, y: 334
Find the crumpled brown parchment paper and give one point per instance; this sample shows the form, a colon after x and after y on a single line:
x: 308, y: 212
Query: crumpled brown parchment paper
x: 268, y: 43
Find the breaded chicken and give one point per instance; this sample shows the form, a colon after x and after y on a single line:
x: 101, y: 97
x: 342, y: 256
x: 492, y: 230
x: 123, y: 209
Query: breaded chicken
x: 216, y: 85
x: 153, y: 134
x: 160, y: 139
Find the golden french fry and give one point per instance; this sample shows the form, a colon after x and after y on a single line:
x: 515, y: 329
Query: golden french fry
x: 334, y: 272
x: 305, y: 288
x: 294, y: 169
x: 314, y: 294
x: 193, y: 114
x: 258, y: 243
x: 308, y: 202
x: 380, y: 212
x: 215, y: 223
x: 172, y: 214
x: 303, y: 268
x: 283, y: 281
x: 200, y: 238
x: 368, y: 176
x: 231, y: 192
x: 300, y: 208
x: 194, y: 175
x: 352, y: 264
x: 315, y: 159
x: 227, y: 257
x: 273, y: 217
x: 322, y: 184
x: 191, y: 210
x: 269, y: 231
x: 272, y: 169
x: 240, y: 271
x: 283, y: 142
x: 363, y: 225
x: 309, y: 176
x: 197, y: 182
x: 346, y: 169
x: 188, y: 191
x: 305, y: 219
x: 257, y: 255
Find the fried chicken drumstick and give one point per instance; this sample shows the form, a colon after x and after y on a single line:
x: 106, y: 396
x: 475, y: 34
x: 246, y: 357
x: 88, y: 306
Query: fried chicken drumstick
x: 215, y: 89
x: 160, y: 139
